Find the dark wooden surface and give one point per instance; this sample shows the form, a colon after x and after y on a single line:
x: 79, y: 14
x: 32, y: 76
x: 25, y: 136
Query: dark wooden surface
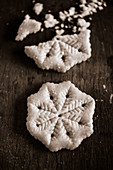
x: 19, y: 77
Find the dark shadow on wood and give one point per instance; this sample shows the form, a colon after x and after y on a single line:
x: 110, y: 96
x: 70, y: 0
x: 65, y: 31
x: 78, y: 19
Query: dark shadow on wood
x: 110, y: 64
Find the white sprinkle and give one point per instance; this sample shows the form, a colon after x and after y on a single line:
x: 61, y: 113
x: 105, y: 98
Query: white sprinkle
x: 74, y: 29
x: 105, y: 4
x: 66, y: 13
x: 100, y: 8
x: 111, y: 98
x: 57, y: 27
x: 99, y: 100
x: 49, y: 11
x: 59, y: 32
x: 27, y: 17
x: 22, y: 11
x: 77, y: 15
x: 38, y: 7
x: 99, y: 3
x: 42, y: 29
x: 69, y: 19
x: 62, y: 25
x: 93, y: 5
x: 71, y: 11
x: 66, y: 26
x: 62, y: 16
x: 50, y: 21
x: 82, y: 23
x: 33, y: 1
x: 104, y: 86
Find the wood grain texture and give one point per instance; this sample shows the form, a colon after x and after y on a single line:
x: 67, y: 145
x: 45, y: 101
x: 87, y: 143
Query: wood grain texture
x: 20, y: 77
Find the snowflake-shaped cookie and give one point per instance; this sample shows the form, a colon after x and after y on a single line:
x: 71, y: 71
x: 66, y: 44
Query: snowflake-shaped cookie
x: 60, y: 115
x: 62, y: 52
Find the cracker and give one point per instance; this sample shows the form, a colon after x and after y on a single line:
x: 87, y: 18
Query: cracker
x: 27, y: 27
x: 60, y: 115
x: 62, y: 52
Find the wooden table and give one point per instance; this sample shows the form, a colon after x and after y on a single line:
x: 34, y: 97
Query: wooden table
x: 20, y: 77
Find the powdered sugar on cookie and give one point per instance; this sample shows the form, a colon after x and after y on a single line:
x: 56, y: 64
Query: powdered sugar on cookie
x: 62, y: 52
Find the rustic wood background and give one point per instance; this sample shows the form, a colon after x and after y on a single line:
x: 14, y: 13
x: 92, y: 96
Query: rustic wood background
x: 19, y: 77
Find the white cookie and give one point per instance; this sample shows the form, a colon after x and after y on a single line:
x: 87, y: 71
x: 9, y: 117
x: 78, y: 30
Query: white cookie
x: 62, y: 52
x: 60, y: 115
x: 27, y: 27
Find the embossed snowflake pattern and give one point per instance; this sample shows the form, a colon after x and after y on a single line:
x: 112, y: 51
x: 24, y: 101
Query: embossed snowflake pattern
x: 60, y: 115
x: 62, y: 52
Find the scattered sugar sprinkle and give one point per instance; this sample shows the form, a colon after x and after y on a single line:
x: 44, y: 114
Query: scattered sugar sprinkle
x: 49, y: 11
x: 57, y: 27
x: 87, y: 8
x: 62, y: 25
x: 59, y: 32
x: 96, y: 117
x: 71, y: 11
x: 38, y: 7
x: 22, y: 11
x: 66, y: 26
x: 50, y: 21
x: 69, y: 19
x: 100, y: 8
x: 111, y: 99
x: 42, y: 29
x: 99, y: 100
x: 104, y: 86
x: 62, y: 16
x: 74, y: 29
x: 33, y: 1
